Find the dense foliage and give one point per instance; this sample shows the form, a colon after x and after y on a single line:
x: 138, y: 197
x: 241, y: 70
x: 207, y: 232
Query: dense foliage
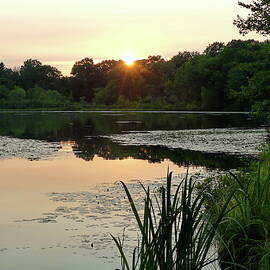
x: 235, y: 76
x: 245, y: 230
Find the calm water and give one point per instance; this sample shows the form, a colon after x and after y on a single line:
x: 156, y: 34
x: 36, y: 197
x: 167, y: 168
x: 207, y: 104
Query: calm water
x: 59, y: 187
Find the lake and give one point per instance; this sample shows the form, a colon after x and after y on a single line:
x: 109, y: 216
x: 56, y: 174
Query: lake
x: 60, y: 195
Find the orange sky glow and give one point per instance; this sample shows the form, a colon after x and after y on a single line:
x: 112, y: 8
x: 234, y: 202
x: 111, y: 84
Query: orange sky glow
x: 60, y: 32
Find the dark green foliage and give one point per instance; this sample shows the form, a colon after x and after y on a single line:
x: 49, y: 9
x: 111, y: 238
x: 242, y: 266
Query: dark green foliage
x: 18, y: 98
x: 246, y: 228
x: 106, y: 96
x: 214, y: 48
x: 33, y: 74
x: 40, y: 98
x: 199, y: 84
x: 225, y: 77
x: 182, y: 57
x: 257, y: 20
x: 85, y: 77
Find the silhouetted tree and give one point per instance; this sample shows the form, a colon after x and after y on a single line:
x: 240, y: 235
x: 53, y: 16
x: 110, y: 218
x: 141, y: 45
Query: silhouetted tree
x: 154, y: 59
x: 127, y: 81
x: 106, y: 65
x: 7, y: 76
x: 214, y: 48
x: 33, y: 73
x: 30, y: 73
x: 182, y: 57
x: 2, y: 68
x: 258, y: 20
x: 85, y: 77
x: 234, y: 76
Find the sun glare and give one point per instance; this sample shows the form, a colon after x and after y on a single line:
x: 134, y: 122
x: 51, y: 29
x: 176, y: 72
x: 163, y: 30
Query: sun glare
x: 129, y: 58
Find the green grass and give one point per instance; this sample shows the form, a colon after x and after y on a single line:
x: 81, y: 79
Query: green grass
x: 175, y: 231
x: 246, y: 228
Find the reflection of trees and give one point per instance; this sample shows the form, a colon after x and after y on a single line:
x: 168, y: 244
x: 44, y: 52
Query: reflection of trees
x: 88, y: 149
x: 80, y: 126
x: 75, y: 126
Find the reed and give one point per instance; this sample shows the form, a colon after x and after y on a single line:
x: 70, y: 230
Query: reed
x: 247, y: 226
x: 175, y: 230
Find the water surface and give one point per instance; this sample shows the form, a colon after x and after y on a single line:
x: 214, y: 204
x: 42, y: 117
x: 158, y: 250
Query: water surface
x: 60, y: 195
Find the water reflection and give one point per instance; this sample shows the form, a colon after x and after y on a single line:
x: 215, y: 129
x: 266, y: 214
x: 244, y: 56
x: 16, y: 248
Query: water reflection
x: 66, y: 126
x: 80, y: 133
x: 88, y: 149
x: 67, y: 146
x: 59, y: 185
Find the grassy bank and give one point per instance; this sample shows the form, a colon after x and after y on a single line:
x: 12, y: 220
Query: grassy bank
x: 231, y: 214
x: 175, y: 231
x: 245, y: 229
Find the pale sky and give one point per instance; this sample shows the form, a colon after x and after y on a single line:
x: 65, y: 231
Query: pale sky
x: 60, y: 32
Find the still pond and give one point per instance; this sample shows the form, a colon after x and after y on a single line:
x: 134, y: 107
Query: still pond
x: 60, y: 196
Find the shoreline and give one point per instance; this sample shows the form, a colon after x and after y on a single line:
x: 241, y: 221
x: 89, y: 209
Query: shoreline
x: 124, y: 110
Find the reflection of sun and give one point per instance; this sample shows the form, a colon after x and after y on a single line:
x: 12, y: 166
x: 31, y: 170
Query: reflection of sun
x: 67, y: 146
x: 128, y: 58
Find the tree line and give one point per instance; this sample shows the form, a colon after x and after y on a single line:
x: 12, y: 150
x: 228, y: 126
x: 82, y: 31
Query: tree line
x: 232, y: 76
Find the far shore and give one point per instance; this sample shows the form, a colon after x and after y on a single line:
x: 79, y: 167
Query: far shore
x: 124, y: 110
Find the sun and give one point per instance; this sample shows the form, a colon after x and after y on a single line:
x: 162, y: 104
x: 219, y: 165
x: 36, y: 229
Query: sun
x: 129, y: 58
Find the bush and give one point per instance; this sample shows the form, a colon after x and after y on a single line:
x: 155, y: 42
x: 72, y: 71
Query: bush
x: 245, y: 230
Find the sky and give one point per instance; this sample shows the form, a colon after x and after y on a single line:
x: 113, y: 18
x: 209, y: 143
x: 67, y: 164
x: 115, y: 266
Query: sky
x: 60, y: 32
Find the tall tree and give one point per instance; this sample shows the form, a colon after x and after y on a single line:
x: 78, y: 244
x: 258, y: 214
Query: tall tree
x: 2, y: 68
x: 33, y: 73
x: 85, y: 77
x: 258, y: 20
x: 8, y: 77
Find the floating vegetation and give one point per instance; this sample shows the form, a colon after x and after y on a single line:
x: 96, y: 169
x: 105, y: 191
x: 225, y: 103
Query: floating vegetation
x: 100, y: 211
x: 221, y: 140
x: 27, y: 149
